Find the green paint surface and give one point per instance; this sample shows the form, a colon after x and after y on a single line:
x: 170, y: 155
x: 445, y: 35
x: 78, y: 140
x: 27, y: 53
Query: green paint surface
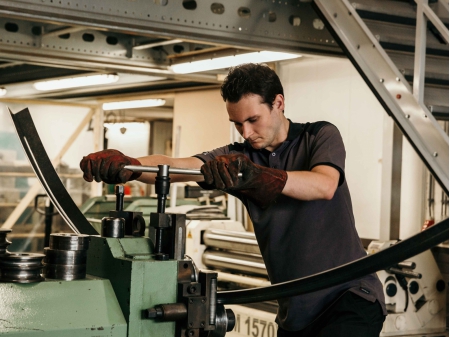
x: 61, y: 308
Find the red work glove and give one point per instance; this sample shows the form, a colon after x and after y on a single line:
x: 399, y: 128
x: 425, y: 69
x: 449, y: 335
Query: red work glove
x: 107, y: 166
x: 261, y: 185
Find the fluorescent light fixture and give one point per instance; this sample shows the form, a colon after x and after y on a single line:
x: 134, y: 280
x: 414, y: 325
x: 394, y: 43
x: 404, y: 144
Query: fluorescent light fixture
x: 2, y: 92
x: 74, y: 82
x: 142, y: 103
x: 231, y: 61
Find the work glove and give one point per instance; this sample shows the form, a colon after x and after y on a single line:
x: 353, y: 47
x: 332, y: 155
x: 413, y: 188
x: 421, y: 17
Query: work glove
x: 107, y: 166
x: 259, y: 184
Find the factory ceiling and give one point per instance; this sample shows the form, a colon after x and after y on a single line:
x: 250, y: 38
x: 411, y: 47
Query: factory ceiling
x: 140, y: 39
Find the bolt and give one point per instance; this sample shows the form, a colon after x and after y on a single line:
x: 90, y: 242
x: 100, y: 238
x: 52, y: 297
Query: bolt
x: 397, y: 79
x: 191, y: 333
x: 407, y: 116
x: 335, y: 15
x: 202, y: 324
x: 398, y: 96
x: 203, y: 300
x: 381, y: 80
x: 435, y: 154
x: 192, y: 290
x: 191, y: 301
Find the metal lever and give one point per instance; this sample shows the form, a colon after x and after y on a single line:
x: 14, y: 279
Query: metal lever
x: 171, y: 170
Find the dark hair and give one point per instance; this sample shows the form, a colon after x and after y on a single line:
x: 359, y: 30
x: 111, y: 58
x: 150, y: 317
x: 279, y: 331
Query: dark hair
x: 251, y: 78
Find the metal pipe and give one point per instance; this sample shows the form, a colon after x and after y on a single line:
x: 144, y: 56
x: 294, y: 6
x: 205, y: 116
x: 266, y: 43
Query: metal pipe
x: 172, y: 170
x: 231, y: 240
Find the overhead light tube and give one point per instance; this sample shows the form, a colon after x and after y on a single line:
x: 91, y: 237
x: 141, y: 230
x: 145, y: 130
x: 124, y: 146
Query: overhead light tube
x: 74, y: 82
x: 142, y: 103
x: 231, y: 61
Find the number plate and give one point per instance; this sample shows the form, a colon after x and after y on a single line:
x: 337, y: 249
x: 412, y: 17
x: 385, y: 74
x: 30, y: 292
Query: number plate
x: 252, y: 322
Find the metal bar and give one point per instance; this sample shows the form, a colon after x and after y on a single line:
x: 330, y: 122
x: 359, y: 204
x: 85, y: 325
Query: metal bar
x: 156, y: 44
x: 47, y: 175
x: 369, y: 264
x: 420, y: 52
x: 436, y: 21
x: 389, y: 86
x: 172, y: 170
x: 63, y: 31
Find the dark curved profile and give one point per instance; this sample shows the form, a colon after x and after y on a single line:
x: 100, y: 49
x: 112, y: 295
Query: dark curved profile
x: 347, y: 272
x: 47, y: 175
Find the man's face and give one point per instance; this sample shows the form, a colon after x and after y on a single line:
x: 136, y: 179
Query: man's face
x: 256, y: 122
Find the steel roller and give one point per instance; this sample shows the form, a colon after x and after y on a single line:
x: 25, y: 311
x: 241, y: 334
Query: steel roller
x: 231, y: 240
x: 234, y: 261
x: 21, y: 267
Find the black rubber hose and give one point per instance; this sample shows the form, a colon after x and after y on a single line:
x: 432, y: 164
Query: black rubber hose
x: 369, y: 264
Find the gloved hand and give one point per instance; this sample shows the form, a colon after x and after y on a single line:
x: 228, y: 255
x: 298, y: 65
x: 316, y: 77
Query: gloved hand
x: 261, y: 185
x: 107, y: 166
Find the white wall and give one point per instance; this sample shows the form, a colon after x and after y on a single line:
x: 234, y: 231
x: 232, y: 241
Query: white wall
x: 54, y: 124
x: 203, y: 119
x: 330, y: 89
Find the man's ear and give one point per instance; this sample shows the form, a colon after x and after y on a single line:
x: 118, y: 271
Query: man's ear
x: 278, y: 102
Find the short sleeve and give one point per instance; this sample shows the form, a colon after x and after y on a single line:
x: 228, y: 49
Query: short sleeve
x: 328, y: 148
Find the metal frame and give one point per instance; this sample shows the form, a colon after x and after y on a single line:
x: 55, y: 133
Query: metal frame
x: 389, y: 86
x: 249, y: 24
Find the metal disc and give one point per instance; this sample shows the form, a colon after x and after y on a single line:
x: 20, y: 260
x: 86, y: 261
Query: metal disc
x: 65, y: 257
x: 65, y: 272
x: 69, y: 241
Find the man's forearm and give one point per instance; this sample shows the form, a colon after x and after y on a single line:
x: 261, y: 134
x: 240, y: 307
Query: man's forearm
x: 319, y: 184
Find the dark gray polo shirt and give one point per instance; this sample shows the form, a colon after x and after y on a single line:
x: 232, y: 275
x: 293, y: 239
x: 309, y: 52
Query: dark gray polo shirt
x: 300, y: 238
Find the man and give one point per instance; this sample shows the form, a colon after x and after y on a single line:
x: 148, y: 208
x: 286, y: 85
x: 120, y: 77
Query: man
x: 295, y: 191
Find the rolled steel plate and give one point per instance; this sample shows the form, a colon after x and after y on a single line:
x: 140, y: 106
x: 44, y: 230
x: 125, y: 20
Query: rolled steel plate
x: 43, y: 167
x: 21, y: 268
x: 243, y: 263
x: 231, y: 240
x: 65, y: 257
x: 69, y: 241
x: 64, y: 272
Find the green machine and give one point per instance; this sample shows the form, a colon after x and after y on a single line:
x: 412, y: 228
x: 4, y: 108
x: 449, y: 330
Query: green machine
x: 124, y: 284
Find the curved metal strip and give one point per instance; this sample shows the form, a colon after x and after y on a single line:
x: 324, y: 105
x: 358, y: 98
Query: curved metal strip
x: 47, y: 175
x: 347, y: 272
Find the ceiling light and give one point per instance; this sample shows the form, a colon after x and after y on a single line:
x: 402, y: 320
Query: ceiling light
x: 2, y: 92
x: 73, y: 82
x: 142, y: 103
x: 231, y: 61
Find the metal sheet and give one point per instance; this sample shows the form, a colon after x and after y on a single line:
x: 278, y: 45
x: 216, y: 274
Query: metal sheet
x: 47, y: 175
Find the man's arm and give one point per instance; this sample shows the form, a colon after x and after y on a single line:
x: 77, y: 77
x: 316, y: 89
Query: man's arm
x: 155, y: 160
x: 319, y: 183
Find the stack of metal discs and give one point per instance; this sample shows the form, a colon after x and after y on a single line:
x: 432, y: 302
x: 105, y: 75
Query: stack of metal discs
x: 65, y: 259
